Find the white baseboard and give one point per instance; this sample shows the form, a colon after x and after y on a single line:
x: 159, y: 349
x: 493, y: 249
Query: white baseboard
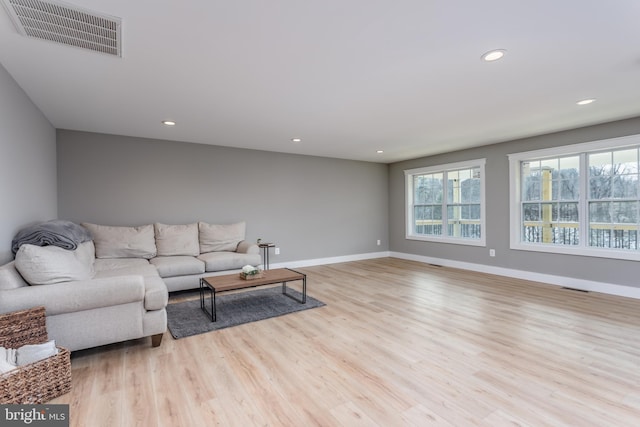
x: 330, y: 260
x: 550, y: 279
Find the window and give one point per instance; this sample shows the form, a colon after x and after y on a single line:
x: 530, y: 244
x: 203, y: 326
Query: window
x: 549, y: 202
x: 446, y: 203
x: 581, y: 199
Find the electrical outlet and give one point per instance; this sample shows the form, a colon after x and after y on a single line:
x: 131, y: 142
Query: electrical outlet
x: 276, y: 251
x: 378, y: 242
x: 492, y: 252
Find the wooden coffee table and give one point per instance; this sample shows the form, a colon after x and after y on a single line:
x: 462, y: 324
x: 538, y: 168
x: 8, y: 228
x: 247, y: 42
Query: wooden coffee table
x: 231, y: 282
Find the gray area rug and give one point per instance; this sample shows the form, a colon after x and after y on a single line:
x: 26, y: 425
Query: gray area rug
x: 186, y: 318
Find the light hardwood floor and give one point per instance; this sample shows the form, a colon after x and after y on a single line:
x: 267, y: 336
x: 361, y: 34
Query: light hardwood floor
x: 399, y: 343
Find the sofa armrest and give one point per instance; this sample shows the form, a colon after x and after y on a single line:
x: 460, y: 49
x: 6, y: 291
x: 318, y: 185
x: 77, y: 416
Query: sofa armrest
x: 156, y: 295
x: 75, y: 296
x: 246, y: 247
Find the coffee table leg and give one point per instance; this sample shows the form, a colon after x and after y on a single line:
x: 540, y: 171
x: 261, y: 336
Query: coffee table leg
x: 201, y: 294
x: 214, y: 314
x: 212, y: 298
x: 303, y: 300
x: 304, y: 289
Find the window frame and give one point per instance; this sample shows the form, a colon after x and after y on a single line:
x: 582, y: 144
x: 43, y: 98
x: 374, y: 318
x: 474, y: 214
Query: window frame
x: 515, y: 203
x: 445, y: 169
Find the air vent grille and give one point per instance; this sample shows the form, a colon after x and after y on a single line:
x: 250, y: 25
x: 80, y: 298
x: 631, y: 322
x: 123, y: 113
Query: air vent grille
x: 66, y: 24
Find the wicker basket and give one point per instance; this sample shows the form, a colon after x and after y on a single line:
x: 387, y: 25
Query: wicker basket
x: 36, y: 382
x: 251, y: 276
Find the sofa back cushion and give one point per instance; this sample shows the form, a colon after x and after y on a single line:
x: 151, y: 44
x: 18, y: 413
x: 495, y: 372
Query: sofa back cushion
x: 10, y: 278
x: 174, y: 240
x: 214, y: 237
x: 123, y: 242
x: 46, y: 265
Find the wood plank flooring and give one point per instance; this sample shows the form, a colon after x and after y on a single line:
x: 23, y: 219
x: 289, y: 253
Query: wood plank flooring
x: 399, y: 343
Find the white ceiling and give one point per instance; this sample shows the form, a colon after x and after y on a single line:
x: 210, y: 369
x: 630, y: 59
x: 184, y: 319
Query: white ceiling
x: 349, y: 77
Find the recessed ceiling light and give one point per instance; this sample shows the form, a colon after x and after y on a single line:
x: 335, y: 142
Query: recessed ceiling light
x: 379, y: 151
x: 296, y: 139
x: 493, y: 55
x: 168, y: 123
x: 585, y: 101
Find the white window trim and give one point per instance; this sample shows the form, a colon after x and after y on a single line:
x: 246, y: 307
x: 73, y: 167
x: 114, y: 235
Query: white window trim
x: 408, y: 185
x: 515, y: 205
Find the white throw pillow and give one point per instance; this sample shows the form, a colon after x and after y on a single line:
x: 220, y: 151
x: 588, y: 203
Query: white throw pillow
x: 123, y: 242
x: 6, y: 367
x: 10, y: 277
x: 177, y: 239
x: 46, y: 265
x: 214, y: 237
x: 32, y: 353
x: 86, y: 252
x: 7, y: 359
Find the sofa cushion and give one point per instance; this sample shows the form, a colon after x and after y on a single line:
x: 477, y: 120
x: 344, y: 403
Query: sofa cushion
x: 170, y: 266
x: 177, y: 239
x: 10, y: 278
x: 218, y: 261
x: 46, y: 265
x: 215, y: 237
x: 105, y: 264
x: 123, y: 242
x: 146, y: 270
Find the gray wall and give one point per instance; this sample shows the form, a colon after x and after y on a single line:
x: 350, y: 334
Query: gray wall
x: 311, y: 207
x: 497, y: 211
x: 27, y: 164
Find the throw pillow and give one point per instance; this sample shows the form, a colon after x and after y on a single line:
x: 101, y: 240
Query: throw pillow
x: 214, y: 237
x: 86, y: 252
x: 10, y: 278
x: 32, y: 353
x: 6, y: 367
x: 177, y: 239
x: 46, y: 265
x: 7, y: 359
x: 123, y: 242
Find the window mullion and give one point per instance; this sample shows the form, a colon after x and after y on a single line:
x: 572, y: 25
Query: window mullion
x: 445, y: 205
x: 583, y: 202
x: 413, y: 204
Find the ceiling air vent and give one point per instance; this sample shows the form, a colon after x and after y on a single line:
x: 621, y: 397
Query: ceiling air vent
x: 66, y: 24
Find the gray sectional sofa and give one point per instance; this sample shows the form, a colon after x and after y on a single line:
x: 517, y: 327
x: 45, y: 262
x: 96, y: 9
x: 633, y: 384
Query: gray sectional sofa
x: 181, y: 254
x: 115, y: 287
